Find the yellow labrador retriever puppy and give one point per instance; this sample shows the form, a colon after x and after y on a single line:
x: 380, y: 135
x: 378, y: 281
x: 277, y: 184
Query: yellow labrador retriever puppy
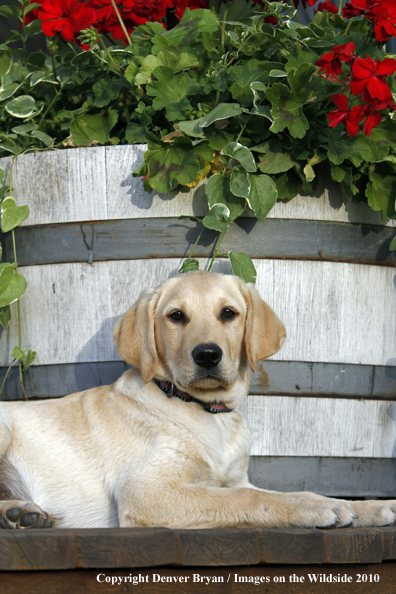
x: 166, y: 444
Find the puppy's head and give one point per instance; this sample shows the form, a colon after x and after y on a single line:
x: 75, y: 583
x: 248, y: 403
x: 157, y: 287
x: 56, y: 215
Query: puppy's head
x: 199, y: 330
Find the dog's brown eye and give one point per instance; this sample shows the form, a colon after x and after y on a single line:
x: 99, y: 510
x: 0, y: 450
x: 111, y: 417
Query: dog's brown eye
x: 178, y: 316
x: 228, y: 314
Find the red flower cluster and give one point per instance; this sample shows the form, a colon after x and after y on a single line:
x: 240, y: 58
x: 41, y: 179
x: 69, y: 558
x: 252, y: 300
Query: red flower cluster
x: 367, y: 79
x: 70, y: 17
x: 331, y: 62
x: 381, y: 13
x: 329, y: 6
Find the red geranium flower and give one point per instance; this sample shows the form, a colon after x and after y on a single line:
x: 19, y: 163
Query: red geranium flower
x: 66, y: 17
x: 331, y: 62
x: 32, y: 15
x: 327, y: 5
x: 368, y: 76
x: 349, y: 11
x: 384, y: 18
x: 342, y: 115
x: 365, y: 5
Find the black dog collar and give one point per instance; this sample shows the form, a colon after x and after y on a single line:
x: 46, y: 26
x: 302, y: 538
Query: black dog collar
x: 171, y: 390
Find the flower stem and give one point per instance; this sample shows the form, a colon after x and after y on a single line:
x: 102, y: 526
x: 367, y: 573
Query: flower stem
x: 21, y: 376
x: 216, y: 251
x: 196, y: 243
x: 6, y: 375
x: 121, y: 23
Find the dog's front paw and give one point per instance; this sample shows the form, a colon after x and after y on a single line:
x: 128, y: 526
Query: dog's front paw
x: 23, y: 514
x: 375, y: 513
x: 320, y: 512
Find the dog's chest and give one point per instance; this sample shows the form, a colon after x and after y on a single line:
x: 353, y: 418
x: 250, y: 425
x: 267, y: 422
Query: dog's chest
x: 225, y: 445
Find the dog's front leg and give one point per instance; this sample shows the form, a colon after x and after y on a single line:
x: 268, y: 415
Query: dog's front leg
x: 196, y: 506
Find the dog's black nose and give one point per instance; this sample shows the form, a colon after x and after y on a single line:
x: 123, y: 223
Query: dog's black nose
x: 207, y: 355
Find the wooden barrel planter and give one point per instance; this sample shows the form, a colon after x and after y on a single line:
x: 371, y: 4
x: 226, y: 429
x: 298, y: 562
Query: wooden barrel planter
x: 322, y: 410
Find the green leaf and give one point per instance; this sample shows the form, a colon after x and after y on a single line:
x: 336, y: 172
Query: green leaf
x: 31, y: 6
x: 88, y: 129
x: 392, y: 246
x: 274, y: 158
x: 213, y: 223
x: 287, y: 186
x: 220, y: 211
x: 309, y: 172
x: 170, y: 92
x: 38, y: 77
x: 47, y: 140
x: 239, y: 182
x: 287, y: 111
x: 172, y: 58
x: 12, y: 215
x: 354, y: 148
x: 12, y: 12
x: 8, y: 90
x: 12, y: 286
x: 18, y: 353
x: 262, y: 196
x: 21, y: 107
x: 2, y: 176
x: 191, y: 24
x: 188, y: 265
x: 192, y: 128
x: 381, y: 193
x: 241, y: 154
x: 106, y: 90
x: 30, y: 357
x: 25, y: 129
x: 243, y: 267
x: 218, y: 191
x: 253, y: 72
x: 5, y: 62
x: 135, y: 133
x: 149, y: 64
x: 5, y: 316
x: 171, y: 164
x: 221, y: 112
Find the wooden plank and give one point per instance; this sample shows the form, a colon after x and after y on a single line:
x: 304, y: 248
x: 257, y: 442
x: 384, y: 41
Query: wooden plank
x: 70, y: 175
x: 354, y: 546
x: 171, y: 237
x: 334, y: 477
x: 154, y: 547
x: 282, y: 378
x: 298, y: 546
x: 330, y: 427
x: 219, y: 547
x: 271, y: 579
x: 333, y: 312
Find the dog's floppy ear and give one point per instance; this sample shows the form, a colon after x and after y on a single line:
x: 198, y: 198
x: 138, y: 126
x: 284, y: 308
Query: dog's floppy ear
x: 134, y: 335
x: 264, y: 332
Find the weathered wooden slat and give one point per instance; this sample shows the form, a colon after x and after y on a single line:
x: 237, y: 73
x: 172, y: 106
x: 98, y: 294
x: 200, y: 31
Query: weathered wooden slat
x: 172, y: 237
x: 69, y: 310
x: 56, y: 184
x: 219, y: 547
x: 355, y: 546
x: 298, y: 546
x: 272, y: 377
x: 107, y: 548
x: 334, y: 427
x: 335, y: 477
x: 271, y: 579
